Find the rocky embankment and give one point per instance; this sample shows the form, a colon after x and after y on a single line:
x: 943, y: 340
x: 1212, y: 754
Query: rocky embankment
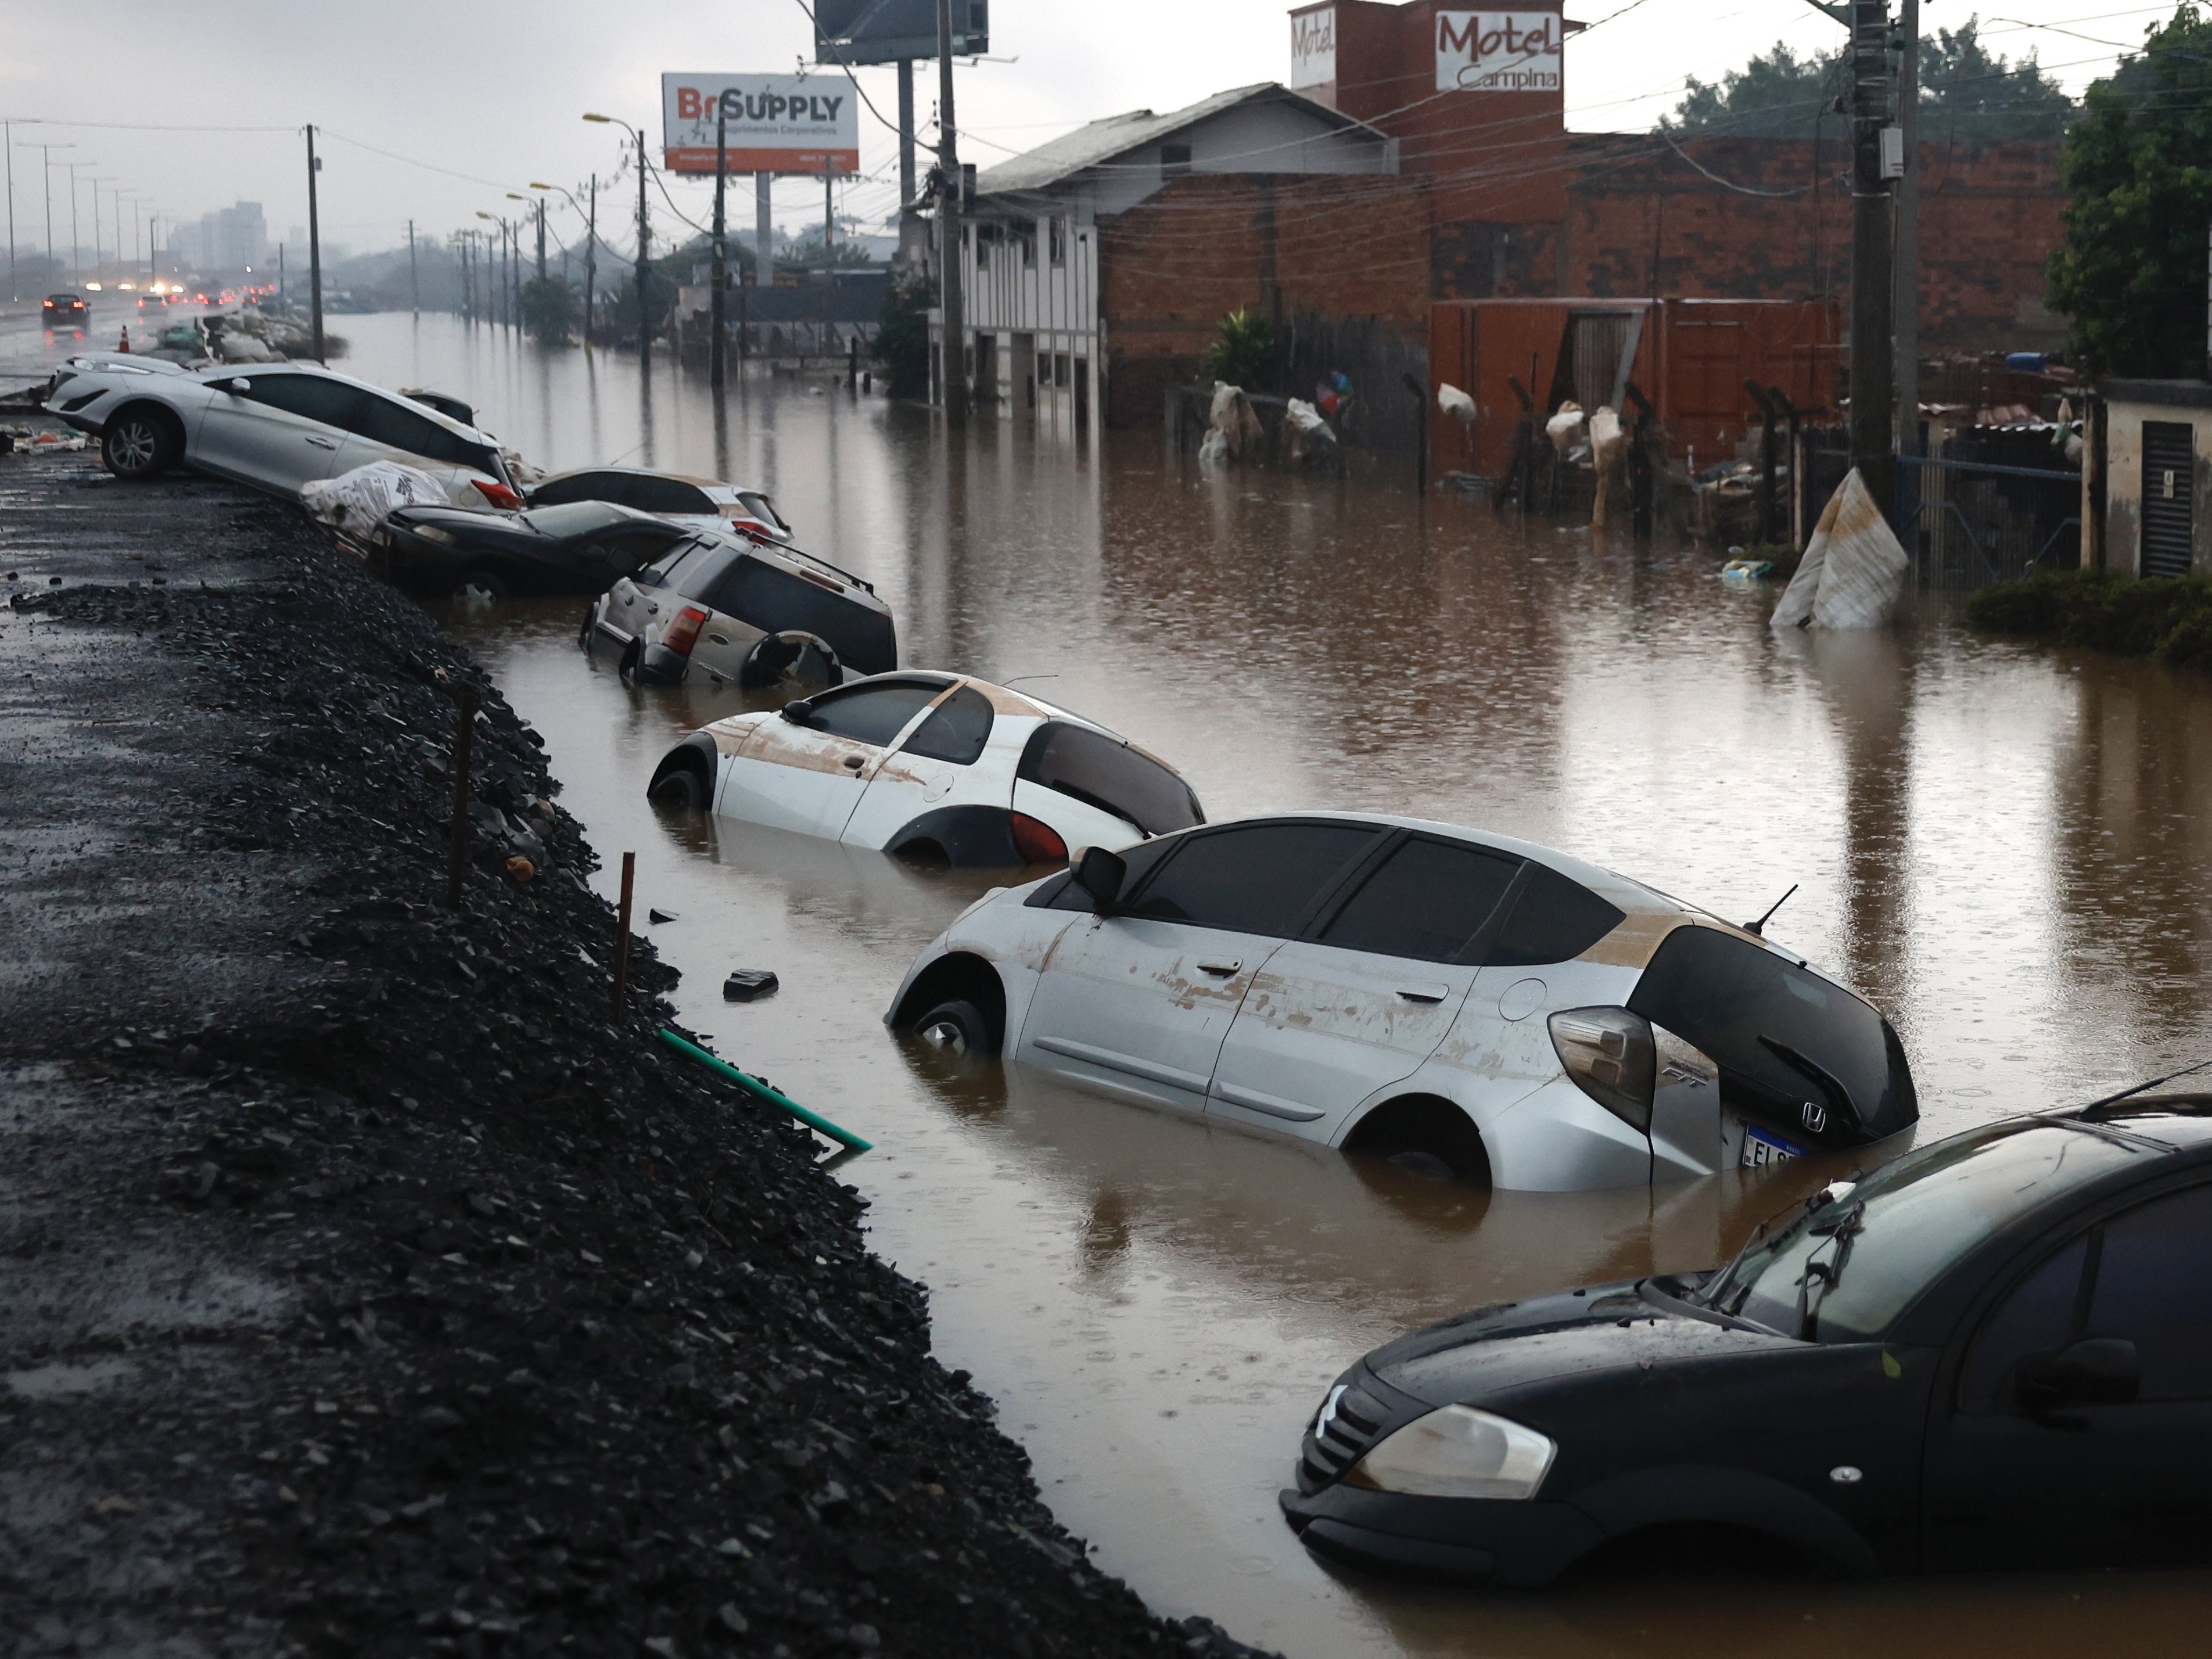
x: 367, y: 1283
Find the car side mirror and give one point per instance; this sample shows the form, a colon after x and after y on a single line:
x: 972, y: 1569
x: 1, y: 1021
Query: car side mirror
x: 1100, y: 875
x: 799, y: 712
x: 238, y: 388
x: 2099, y: 1370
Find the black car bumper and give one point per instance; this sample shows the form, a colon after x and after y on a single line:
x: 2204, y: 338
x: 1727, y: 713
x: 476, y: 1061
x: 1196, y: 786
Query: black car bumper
x: 1510, y: 1545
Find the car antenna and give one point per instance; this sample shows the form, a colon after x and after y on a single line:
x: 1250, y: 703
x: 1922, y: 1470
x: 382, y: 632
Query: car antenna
x: 1758, y: 929
x: 1019, y: 678
x: 2153, y: 1084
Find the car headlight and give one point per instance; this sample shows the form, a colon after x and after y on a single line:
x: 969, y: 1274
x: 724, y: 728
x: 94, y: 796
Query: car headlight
x: 1456, y: 1451
x: 430, y: 533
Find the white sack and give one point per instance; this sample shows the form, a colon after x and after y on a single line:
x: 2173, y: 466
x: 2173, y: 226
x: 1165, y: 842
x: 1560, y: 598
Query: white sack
x: 1231, y: 423
x: 1307, y: 419
x: 1853, y: 572
x: 1213, y: 452
x: 357, y: 503
x: 1453, y: 401
x: 1607, y: 444
x: 1564, y: 425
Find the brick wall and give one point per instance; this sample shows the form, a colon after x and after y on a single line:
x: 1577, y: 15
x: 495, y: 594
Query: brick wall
x: 1989, y: 216
x: 1378, y: 249
x: 1340, y: 248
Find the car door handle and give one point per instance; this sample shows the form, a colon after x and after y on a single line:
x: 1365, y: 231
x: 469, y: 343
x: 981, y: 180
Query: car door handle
x: 718, y: 639
x: 322, y: 443
x: 1220, y: 970
x: 854, y: 762
x: 1424, y: 992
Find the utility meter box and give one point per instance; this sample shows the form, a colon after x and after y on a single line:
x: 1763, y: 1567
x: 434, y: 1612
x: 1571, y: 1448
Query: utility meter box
x: 1892, y: 152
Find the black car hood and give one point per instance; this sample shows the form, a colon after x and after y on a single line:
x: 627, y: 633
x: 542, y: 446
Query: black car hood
x: 477, y: 526
x: 1502, y: 1349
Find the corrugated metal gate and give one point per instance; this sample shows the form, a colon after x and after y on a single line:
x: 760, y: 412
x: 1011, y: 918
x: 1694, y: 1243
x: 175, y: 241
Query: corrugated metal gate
x: 2169, y: 468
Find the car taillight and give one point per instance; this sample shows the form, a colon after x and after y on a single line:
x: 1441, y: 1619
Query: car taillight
x: 1038, y: 842
x: 498, y: 493
x: 684, y: 632
x: 1610, y: 1054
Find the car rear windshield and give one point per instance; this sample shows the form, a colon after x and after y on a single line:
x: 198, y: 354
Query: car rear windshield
x: 649, y: 495
x: 1785, y: 1038
x: 1109, y: 774
x: 775, y: 601
x: 760, y: 507
x: 577, y: 519
x: 1872, y: 1250
x: 388, y: 422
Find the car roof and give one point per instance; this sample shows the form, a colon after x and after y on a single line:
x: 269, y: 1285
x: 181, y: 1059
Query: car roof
x: 1648, y: 915
x: 649, y: 473
x: 247, y: 371
x: 1013, y: 705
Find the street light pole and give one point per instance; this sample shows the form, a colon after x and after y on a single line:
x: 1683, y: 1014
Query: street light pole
x: 716, y: 351
x: 77, y: 246
x: 955, y: 368
x: 314, y: 246
x: 414, y: 271
x: 644, y: 239
x: 591, y: 258
x: 8, y: 144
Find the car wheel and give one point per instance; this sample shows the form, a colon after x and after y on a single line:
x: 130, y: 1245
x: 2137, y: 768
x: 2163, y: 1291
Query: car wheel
x: 955, y: 1027
x: 482, y: 585
x: 790, y: 662
x: 139, y: 444
x: 681, y: 790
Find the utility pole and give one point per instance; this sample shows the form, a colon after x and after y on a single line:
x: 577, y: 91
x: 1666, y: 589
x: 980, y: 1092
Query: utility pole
x: 644, y: 267
x: 8, y: 142
x: 413, y: 270
x: 1908, y: 234
x: 718, y: 347
x: 1873, y: 273
x: 591, y: 258
x: 955, y: 370
x: 829, y: 214
x: 314, y: 245
x: 763, y: 231
x: 906, y: 149
x: 541, y: 238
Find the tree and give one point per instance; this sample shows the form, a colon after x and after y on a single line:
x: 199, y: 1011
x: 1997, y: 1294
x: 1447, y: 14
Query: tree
x: 1240, y: 349
x: 1966, y: 92
x: 2138, y: 164
x: 903, y: 336
x: 551, y: 308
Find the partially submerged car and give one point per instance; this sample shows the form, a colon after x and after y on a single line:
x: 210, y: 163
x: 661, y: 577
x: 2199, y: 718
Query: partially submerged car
x: 548, y: 550
x: 64, y: 310
x: 276, y: 427
x: 705, y: 503
x: 736, y: 609
x: 1993, y: 1353
x: 1416, y: 990
x: 937, y: 767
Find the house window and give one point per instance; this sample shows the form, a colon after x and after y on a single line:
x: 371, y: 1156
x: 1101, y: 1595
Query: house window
x: 1025, y: 232
x: 1056, y: 240
x: 1060, y: 368
x: 1175, y: 159
x: 984, y: 235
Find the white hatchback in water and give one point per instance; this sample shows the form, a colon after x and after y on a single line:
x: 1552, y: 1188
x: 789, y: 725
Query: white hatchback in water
x: 1416, y: 989
x: 938, y: 766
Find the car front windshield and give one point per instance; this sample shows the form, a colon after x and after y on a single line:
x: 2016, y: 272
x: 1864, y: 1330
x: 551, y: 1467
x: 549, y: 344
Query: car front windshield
x: 1849, y: 1265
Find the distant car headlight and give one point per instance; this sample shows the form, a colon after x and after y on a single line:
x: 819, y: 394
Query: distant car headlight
x: 430, y: 533
x: 1456, y: 1451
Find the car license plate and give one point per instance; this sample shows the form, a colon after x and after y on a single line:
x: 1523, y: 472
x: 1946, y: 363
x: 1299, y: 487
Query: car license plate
x: 1760, y: 1149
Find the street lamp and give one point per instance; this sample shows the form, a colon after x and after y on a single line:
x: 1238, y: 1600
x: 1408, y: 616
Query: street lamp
x: 70, y: 168
x: 501, y: 289
x: 644, y: 239
x: 46, y: 166
x: 591, y: 244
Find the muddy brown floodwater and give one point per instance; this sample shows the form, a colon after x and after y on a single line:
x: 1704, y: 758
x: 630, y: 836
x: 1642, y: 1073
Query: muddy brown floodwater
x: 2005, y: 846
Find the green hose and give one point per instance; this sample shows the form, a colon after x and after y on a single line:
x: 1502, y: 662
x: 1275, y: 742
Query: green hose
x: 844, y: 1137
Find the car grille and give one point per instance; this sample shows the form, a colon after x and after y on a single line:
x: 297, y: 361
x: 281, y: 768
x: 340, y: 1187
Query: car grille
x: 1337, y: 1438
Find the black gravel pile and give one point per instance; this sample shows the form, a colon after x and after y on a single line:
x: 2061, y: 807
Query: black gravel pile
x: 367, y: 1283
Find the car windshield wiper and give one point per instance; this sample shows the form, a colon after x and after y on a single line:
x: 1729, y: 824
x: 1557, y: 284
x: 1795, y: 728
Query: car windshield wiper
x: 1844, y: 1228
x: 1839, y: 1098
x: 1710, y: 1291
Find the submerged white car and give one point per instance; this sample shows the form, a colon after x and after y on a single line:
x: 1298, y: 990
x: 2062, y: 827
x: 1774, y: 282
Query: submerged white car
x: 1419, y: 991
x: 939, y: 766
x: 277, y: 427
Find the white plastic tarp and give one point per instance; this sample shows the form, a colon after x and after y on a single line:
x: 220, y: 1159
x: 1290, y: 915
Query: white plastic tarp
x: 1853, y: 572
x: 357, y: 503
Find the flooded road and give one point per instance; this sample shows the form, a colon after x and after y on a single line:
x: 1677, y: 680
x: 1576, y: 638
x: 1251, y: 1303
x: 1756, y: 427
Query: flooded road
x: 2005, y: 846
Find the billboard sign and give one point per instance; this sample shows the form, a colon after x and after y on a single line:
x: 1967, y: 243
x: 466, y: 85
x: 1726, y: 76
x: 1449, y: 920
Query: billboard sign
x: 773, y: 123
x: 885, y: 30
x: 1499, y: 51
x: 1313, y: 47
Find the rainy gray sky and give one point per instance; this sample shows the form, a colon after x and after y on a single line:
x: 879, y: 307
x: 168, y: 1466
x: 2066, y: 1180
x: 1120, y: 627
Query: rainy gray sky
x: 492, y: 89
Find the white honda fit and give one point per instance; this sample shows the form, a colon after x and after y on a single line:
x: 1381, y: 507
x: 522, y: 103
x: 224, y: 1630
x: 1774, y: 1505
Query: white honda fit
x: 1418, y: 990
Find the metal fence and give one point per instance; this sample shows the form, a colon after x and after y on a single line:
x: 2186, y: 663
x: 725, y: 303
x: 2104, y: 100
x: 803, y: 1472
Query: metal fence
x: 1966, y: 522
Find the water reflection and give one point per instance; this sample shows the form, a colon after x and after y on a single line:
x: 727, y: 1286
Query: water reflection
x: 2003, y: 846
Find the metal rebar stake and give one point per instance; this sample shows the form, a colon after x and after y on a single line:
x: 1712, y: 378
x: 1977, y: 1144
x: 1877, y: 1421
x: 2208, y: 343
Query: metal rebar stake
x: 465, y: 699
x: 622, y: 934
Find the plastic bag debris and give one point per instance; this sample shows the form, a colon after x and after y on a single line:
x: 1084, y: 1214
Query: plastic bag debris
x: 1231, y: 426
x: 1746, y: 570
x: 1564, y: 425
x: 1853, y: 572
x: 356, y: 503
x: 1452, y: 401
